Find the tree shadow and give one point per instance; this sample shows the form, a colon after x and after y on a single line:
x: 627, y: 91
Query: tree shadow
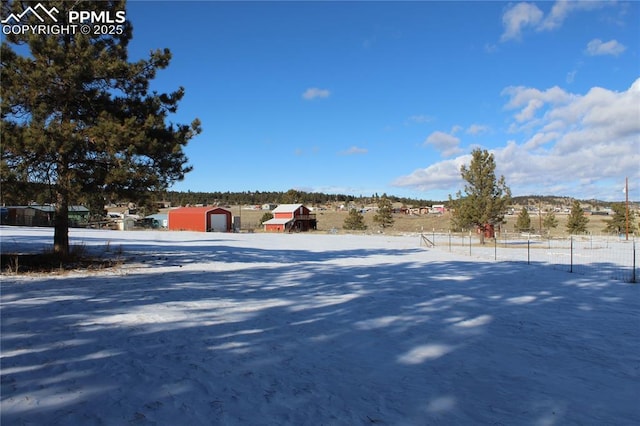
x: 293, y: 336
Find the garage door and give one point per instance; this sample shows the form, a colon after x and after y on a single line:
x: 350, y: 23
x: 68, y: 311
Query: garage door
x: 218, y: 222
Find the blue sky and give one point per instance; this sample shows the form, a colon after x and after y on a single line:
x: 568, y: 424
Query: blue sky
x: 391, y: 97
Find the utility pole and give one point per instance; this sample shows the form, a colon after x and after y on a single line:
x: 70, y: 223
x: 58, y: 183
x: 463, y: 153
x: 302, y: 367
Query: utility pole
x: 626, y: 212
x: 540, y: 215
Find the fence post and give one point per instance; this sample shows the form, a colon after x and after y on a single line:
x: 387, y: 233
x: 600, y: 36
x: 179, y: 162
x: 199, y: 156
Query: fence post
x: 528, y: 251
x: 633, y: 271
x: 469, y: 243
x: 495, y: 248
x: 449, y: 241
x: 571, y: 248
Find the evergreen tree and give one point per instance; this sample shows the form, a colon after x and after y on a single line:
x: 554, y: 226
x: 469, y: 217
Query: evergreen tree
x: 77, y: 115
x: 618, y: 223
x: 550, y: 221
x: 577, y: 221
x: 354, y: 221
x: 384, y: 216
x: 486, y: 197
x: 523, y: 223
x: 292, y: 196
x: 265, y: 217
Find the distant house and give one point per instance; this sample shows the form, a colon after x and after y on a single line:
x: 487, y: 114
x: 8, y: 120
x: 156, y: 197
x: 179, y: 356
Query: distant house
x: 437, y: 208
x: 204, y: 219
x: 291, y: 218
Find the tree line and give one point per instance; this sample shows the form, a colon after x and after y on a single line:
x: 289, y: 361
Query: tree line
x: 292, y: 196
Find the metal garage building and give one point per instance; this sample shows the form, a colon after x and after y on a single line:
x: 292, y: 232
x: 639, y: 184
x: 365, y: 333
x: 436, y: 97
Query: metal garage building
x: 204, y: 219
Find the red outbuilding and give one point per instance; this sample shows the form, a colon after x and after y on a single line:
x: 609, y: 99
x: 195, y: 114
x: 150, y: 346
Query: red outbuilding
x: 291, y: 218
x: 203, y: 219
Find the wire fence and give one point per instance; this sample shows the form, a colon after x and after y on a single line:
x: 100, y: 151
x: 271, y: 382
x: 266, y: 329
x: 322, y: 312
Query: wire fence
x: 604, y: 256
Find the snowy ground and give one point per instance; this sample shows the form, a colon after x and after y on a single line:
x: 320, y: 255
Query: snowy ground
x: 264, y: 329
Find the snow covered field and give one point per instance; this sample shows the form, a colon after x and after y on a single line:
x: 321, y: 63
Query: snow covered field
x: 269, y: 329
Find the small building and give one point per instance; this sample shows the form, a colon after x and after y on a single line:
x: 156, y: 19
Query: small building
x: 158, y: 220
x: 78, y: 215
x: 203, y: 219
x: 127, y: 223
x: 291, y: 218
x: 31, y: 215
x: 42, y: 215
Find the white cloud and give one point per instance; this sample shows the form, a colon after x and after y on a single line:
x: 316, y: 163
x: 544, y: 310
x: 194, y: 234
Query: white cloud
x: 354, y: 150
x: 562, y: 9
x: 477, y: 129
x: 522, y: 15
x: 315, y: 93
x: 583, y: 145
x: 518, y: 17
x: 444, y: 175
x: 540, y: 139
x: 530, y: 100
x: 445, y: 143
x: 597, y: 47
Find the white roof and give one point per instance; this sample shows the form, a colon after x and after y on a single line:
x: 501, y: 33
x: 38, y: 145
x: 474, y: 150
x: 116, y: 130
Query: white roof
x: 286, y: 208
x: 277, y: 221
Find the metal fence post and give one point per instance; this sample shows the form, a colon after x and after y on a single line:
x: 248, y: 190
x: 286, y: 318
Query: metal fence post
x: 571, y: 248
x: 633, y: 271
x: 528, y: 251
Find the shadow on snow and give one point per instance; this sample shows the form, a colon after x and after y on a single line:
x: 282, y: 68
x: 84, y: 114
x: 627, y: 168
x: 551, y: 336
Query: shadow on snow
x: 302, y: 340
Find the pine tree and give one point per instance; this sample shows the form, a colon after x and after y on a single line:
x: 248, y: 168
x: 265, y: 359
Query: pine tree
x: 577, y: 221
x: 486, y: 197
x: 550, y: 221
x: 265, y: 217
x: 292, y: 196
x: 354, y: 221
x: 523, y: 224
x: 384, y: 216
x: 77, y: 115
x: 618, y: 223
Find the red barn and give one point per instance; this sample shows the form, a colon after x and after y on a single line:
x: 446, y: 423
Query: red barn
x: 290, y: 218
x: 204, y: 219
